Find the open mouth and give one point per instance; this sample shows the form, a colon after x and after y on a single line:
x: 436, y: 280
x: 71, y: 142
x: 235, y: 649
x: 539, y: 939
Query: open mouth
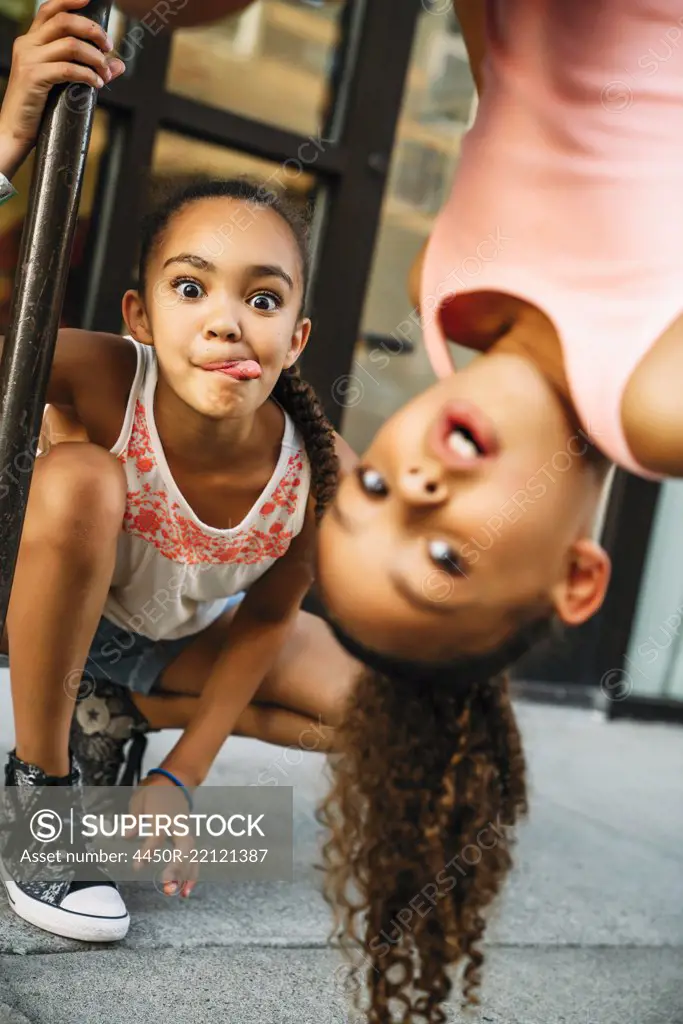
x: 238, y: 369
x: 463, y: 435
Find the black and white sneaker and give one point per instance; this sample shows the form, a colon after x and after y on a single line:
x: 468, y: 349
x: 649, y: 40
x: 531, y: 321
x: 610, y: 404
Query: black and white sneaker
x: 87, y: 911
x: 104, y: 723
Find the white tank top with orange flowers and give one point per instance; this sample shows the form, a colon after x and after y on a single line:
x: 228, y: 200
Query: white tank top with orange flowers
x: 174, y: 573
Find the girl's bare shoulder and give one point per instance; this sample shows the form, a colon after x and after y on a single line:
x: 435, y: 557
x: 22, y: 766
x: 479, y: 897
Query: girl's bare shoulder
x: 100, y: 369
x: 651, y: 408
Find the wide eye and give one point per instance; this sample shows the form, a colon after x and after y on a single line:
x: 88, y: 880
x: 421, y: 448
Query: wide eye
x: 372, y: 482
x: 445, y: 557
x: 265, y: 302
x: 188, y: 289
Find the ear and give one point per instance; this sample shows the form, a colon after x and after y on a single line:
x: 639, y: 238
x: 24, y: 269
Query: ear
x: 298, y: 342
x: 137, y: 320
x: 581, y: 593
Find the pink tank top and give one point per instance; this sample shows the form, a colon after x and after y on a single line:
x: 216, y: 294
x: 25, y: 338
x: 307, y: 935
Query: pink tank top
x: 569, y: 190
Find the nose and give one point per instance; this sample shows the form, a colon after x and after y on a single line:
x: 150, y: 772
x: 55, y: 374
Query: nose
x: 423, y: 485
x: 223, y: 323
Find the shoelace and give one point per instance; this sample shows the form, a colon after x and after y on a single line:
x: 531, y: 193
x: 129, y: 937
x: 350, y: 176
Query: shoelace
x: 132, y: 769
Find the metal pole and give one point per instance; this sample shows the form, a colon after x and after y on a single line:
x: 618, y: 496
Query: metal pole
x: 38, y: 297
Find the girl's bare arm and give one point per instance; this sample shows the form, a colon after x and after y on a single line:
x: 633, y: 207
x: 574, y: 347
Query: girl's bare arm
x: 61, y: 46
x: 90, y: 379
x: 257, y: 634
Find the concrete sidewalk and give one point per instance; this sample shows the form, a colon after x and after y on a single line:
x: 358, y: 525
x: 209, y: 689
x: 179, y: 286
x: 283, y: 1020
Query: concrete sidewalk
x: 590, y: 930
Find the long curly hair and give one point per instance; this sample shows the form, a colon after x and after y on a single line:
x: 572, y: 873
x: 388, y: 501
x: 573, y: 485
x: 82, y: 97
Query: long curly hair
x: 293, y: 393
x: 428, y: 783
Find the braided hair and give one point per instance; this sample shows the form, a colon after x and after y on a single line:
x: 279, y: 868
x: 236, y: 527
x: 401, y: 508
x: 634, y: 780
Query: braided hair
x: 429, y: 780
x: 298, y: 398
x: 293, y: 393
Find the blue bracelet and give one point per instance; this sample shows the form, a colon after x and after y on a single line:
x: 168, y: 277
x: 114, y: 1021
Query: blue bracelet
x: 177, y: 782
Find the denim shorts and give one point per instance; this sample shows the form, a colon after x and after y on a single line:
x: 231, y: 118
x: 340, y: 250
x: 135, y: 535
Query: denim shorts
x: 129, y: 659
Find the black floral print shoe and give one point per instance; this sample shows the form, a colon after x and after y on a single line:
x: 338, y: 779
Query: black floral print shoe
x: 91, y: 911
x: 106, y: 722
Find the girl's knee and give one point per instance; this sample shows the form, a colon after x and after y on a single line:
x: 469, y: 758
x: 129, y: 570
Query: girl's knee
x: 77, y: 487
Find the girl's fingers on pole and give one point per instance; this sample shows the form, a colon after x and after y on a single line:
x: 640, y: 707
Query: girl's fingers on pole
x: 61, y: 47
x: 72, y: 51
x: 60, y: 74
x: 116, y: 67
x: 76, y: 26
x: 54, y: 7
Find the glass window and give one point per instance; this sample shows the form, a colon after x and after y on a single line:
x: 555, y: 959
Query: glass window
x: 12, y: 216
x: 435, y: 113
x: 272, y: 63
x: 118, y: 29
x: 178, y: 158
x: 20, y: 11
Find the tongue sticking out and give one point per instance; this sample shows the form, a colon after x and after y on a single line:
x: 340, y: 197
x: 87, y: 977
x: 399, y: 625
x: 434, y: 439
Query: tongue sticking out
x: 246, y: 369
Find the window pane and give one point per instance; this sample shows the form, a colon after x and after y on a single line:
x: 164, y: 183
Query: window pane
x: 178, y: 158
x: 272, y: 62
x: 20, y: 11
x: 434, y: 116
x: 12, y: 216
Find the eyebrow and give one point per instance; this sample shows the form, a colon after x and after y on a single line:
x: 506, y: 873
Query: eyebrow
x: 340, y: 518
x: 421, y: 603
x: 350, y: 527
x: 257, y: 270
x: 271, y: 270
x: 195, y: 261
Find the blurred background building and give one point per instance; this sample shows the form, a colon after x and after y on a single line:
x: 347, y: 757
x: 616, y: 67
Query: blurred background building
x: 356, y: 109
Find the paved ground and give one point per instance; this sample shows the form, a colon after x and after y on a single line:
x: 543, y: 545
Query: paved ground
x: 590, y: 930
